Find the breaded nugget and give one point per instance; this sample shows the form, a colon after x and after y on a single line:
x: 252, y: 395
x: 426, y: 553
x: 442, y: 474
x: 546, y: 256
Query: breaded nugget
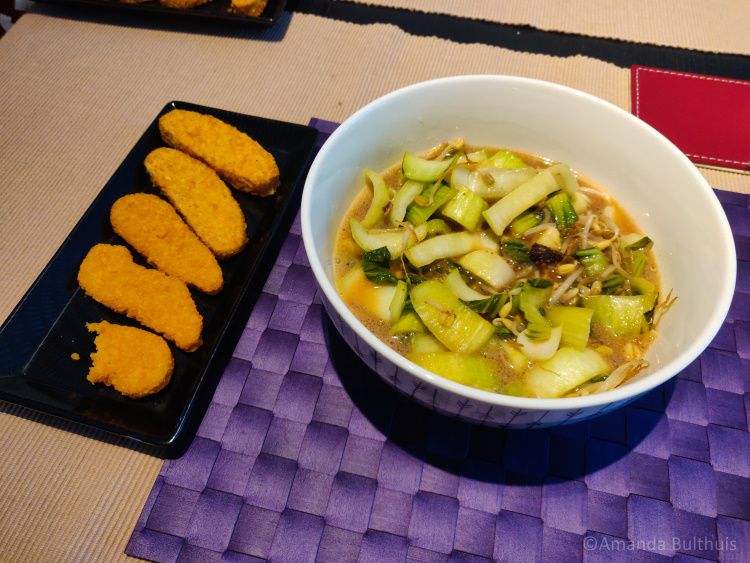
x: 156, y: 300
x: 182, y: 4
x: 236, y: 157
x: 152, y: 226
x: 133, y: 361
x: 201, y: 198
x: 249, y: 7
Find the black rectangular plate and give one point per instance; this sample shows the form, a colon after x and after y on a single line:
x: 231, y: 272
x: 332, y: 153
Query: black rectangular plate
x: 48, y: 325
x: 217, y: 10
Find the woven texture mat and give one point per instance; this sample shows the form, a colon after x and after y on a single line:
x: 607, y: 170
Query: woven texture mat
x: 306, y: 455
x: 718, y: 26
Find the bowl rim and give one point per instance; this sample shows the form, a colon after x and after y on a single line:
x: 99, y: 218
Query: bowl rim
x: 624, y: 393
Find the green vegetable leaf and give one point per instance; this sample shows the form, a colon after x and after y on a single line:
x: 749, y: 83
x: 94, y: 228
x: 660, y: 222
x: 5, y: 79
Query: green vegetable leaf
x: 487, y: 307
x: 562, y: 210
x: 503, y: 332
x: 413, y: 278
x: 593, y: 260
x: 611, y: 283
x: 532, y: 300
x: 376, y: 265
x: 516, y: 250
x: 539, y: 283
x: 644, y: 243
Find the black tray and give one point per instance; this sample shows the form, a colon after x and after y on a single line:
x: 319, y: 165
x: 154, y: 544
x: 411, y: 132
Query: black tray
x: 217, y: 10
x: 37, y: 339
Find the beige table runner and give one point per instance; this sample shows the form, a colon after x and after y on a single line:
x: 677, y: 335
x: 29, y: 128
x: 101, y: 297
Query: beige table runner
x: 705, y: 25
x: 75, y: 98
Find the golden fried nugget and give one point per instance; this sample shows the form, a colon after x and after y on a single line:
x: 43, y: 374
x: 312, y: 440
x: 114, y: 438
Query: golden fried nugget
x: 236, y: 157
x: 156, y: 300
x: 249, y: 7
x: 152, y: 226
x: 133, y: 361
x: 201, y: 198
x: 182, y: 4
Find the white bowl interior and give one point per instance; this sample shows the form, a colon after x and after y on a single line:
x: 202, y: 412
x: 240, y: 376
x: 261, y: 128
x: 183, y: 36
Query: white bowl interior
x: 653, y: 181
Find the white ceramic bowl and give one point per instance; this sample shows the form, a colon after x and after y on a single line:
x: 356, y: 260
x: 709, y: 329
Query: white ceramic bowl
x: 666, y: 195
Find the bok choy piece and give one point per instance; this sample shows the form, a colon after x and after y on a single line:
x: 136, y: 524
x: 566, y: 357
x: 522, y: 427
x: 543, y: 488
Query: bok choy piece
x: 564, y: 177
x: 634, y: 248
x: 396, y: 240
x: 425, y: 204
x: 593, y: 260
x: 516, y: 250
x: 550, y: 237
x: 404, y: 196
x: 423, y: 170
x: 490, y: 183
x: 500, y: 215
x: 532, y: 300
x: 504, y: 159
x: 446, y: 246
x: 538, y: 350
x: 398, y: 301
x: 642, y: 286
x: 465, y: 209
x: 460, y: 288
x: 422, y: 343
x: 619, y: 315
x: 489, y: 306
x: 561, y: 207
x: 380, y: 197
x: 408, y: 323
x: 456, y: 326
x: 563, y: 372
x: 517, y: 361
x: 489, y: 267
x: 356, y: 288
x: 526, y: 221
x: 575, y: 323
x: 474, y: 371
x: 431, y: 227
x: 569, y: 183
x: 611, y: 283
x: 377, y: 266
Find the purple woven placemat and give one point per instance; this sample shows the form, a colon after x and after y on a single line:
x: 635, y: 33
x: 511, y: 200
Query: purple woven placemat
x: 304, y: 454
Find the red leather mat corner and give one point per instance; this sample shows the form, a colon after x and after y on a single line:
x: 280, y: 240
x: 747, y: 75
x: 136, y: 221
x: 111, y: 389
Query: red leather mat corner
x: 707, y: 117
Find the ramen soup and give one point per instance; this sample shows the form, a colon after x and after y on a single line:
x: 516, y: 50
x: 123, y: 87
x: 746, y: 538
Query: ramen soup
x: 501, y: 271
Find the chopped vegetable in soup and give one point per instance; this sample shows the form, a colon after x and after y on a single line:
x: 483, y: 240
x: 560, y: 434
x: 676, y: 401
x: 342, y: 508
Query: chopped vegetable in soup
x: 501, y: 271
